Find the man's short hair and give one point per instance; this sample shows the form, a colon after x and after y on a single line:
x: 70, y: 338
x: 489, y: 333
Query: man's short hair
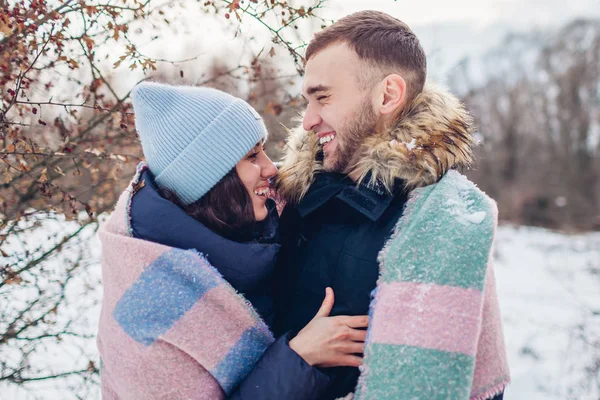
x: 385, y: 43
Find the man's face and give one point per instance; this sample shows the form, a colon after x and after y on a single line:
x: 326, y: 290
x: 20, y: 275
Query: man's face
x: 339, y: 110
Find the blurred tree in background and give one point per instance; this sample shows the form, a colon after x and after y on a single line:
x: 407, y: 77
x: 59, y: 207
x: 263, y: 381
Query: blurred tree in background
x: 538, y: 111
x: 68, y: 147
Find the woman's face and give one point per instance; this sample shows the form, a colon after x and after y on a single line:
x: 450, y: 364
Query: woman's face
x: 255, y: 170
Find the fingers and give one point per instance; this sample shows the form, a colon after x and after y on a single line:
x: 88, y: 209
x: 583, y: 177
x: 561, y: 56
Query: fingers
x: 350, y: 361
x: 352, y: 347
x: 327, y: 304
x: 359, y: 321
x: 357, y: 335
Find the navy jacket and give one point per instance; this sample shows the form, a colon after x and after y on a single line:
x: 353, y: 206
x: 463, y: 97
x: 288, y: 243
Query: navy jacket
x: 332, y: 238
x: 281, y: 373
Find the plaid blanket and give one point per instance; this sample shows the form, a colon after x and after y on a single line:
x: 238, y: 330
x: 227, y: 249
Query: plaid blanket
x: 435, y: 330
x: 170, y: 326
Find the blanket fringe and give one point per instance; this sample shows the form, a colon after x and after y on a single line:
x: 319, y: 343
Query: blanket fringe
x: 487, y: 395
x: 493, y: 391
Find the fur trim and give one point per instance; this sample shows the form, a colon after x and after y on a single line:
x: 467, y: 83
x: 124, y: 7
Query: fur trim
x: 299, y: 165
x: 431, y: 136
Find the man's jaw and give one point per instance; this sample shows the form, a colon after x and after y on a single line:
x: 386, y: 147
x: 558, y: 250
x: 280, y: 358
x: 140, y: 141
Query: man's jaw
x: 335, y: 158
x: 331, y: 157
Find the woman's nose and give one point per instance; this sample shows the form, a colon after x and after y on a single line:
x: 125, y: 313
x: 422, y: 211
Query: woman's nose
x: 269, y: 170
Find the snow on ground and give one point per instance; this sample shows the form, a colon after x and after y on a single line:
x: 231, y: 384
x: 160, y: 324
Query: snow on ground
x: 549, y: 289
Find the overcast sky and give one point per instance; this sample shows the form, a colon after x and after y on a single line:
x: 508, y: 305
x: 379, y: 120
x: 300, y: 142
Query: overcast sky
x: 452, y: 30
x: 448, y: 30
x: 519, y: 13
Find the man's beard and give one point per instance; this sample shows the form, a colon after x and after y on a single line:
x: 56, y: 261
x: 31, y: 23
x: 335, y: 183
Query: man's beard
x: 351, y: 138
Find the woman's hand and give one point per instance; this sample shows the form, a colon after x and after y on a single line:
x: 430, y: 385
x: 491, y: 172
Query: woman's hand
x: 331, y: 341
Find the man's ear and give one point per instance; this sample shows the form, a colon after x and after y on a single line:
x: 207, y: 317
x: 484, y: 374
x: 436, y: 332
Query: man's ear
x: 394, y: 94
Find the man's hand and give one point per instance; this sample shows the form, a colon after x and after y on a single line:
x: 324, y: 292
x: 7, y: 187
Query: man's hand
x: 331, y: 341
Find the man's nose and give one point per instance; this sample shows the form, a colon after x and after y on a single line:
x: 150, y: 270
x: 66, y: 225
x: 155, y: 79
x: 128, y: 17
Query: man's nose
x: 311, y: 118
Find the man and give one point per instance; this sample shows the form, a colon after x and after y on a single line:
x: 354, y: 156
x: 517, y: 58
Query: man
x: 372, y: 203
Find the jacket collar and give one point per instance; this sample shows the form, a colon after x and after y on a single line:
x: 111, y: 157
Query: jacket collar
x: 433, y: 134
x: 369, y: 200
x: 243, y: 265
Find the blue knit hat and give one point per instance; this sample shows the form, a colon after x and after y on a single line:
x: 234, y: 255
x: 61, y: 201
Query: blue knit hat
x: 193, y: 136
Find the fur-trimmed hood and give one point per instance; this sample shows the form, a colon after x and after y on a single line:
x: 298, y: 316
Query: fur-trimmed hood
x: 432, y: 135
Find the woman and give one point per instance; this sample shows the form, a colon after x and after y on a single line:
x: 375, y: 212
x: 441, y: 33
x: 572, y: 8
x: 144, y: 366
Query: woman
x: 188, y: 258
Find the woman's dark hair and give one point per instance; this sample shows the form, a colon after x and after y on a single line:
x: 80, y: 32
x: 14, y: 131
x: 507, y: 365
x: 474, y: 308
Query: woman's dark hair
x: 226, y: 209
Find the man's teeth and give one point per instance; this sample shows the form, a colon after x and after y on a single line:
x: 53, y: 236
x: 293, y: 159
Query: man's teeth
x: 261, y: 192
x: 326, y: 139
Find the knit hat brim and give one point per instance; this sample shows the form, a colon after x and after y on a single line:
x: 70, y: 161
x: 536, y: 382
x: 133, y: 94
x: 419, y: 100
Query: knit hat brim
x: 193, y: 136
x: 206, y: 172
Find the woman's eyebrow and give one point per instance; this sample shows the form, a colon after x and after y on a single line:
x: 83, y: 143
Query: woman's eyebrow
x: 254, y: 149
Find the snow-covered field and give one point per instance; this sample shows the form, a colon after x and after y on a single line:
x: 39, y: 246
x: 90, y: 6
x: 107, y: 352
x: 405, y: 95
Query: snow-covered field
x: 549, y: 289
